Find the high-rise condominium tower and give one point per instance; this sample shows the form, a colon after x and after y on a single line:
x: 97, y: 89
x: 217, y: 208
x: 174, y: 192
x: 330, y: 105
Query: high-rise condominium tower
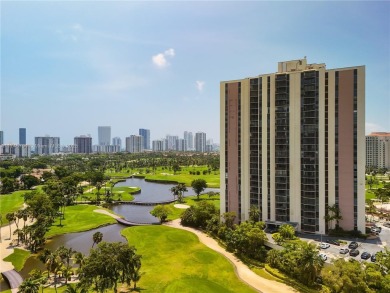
x: 145, y: 133
x: 292, y: 144
x: 22, y: 136
x: 378, y: 150
x: 117, y: 141
x: 189, y: 138
x: 104, y: 135
x: 46, y: 145
x: 134, y: 144
x: 200, y: 142
x: 83, y: 144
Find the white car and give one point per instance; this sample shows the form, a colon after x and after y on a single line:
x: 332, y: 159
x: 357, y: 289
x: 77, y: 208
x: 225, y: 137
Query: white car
x: 323, y: 256
x: 324, y: 245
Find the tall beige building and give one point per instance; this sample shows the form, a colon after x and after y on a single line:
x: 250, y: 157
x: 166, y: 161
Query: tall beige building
x: 292, y: 143
x: 378, y: 150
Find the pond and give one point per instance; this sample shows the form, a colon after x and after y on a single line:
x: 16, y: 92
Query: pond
x: 155, y: 192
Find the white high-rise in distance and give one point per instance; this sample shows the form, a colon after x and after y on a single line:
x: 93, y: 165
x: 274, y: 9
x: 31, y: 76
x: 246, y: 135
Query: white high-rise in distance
x: 104, y: 135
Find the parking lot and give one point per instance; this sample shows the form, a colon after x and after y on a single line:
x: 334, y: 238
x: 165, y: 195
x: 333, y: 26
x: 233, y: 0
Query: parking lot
x: 371, y: 246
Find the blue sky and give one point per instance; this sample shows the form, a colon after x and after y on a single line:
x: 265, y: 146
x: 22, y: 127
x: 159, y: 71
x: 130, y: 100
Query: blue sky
x: 69, y: 66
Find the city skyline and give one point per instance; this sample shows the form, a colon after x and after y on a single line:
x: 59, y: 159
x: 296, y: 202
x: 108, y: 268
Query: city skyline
x: 162, y: 72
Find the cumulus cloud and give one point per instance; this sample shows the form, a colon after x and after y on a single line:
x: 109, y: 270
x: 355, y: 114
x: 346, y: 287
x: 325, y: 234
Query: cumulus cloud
x: 200, y: 85
x: 160, y: 59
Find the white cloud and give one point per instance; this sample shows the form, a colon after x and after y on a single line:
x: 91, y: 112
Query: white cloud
x: 170, y: 52
x: 372, y: 127
x: 160, y: 59
x: 200, y: 85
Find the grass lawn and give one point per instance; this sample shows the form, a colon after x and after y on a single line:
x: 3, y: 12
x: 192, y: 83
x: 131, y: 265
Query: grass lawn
x: 182, y: 176
x: 11, y: 202
x: 18, y: 258
x: 191, y: 200
x: 79, y: 218
x: 175, y: 261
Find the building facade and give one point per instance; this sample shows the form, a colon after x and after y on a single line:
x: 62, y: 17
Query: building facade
x: 15, y: 151
x: 104, y: 135
x: 117, y: 141
x: 22, y: 136
x: 1, y: 137
x: 378, y: 150
x: 292, y: 144
x: 46, y: 145
x: 134, y: 144
x: 200, y: 142
x: 158, y: 145
x: 145, y: 133
x: 189, y: 138
x: 83, y: 144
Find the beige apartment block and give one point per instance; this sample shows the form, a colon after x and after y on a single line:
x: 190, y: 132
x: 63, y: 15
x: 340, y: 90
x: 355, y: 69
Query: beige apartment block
x: 292, y: 143
x: 378, y: 150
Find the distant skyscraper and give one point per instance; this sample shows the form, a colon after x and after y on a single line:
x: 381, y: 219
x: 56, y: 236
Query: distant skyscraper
x: 46, y: 145
x: 22, y: 135
x: 181, y: 145
x: 83, y: 144
x: 134, y: 144
x: 189, y: 138
x: 145, y: 133
x: 158, y: 145
x: 1, y: 137
x: 104, y: 135
x: 171, y: 142
x: 117, y: 141
x: 378, y: 150
x: 200, y: 142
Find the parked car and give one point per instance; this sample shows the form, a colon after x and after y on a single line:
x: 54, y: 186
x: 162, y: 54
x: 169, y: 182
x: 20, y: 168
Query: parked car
x: 353, y: 245
x: 373, y: 257
x: 365, y: 255
x: 375, y: 230
x: 323, y: 256
x: 344, y: 250
x: 332, y: 241
x: 324, y: 245
x: 387, y: 224
x: 354, y: 252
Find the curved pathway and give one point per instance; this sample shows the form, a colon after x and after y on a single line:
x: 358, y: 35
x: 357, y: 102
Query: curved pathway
x: 242, y: 271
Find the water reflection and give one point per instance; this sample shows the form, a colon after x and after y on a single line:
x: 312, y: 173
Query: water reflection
x: 81, y: 242
x: 155, y: 192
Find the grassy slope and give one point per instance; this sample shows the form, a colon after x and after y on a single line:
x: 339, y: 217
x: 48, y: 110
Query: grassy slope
x: 175, y: 261
x: 10, y: 203
x: 18, y: 258
x: 79, y: 218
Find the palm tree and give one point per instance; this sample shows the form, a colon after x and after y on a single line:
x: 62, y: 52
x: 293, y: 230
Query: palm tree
x: 79, y: 259
x: 175, y: 191
x: 97, y: 238
x: 10, y: 217
x: 181, y: 188
x: 135, y: 277
x: 29, y: 286
x: 310, y: 262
